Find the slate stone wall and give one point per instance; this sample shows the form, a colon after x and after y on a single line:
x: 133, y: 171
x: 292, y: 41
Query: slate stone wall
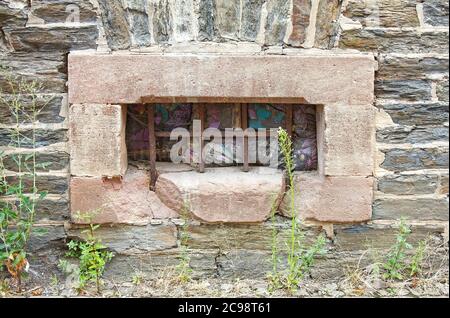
x: 408, y: 37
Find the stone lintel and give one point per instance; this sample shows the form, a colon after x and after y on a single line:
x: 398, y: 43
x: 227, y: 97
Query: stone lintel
x: 127, y: 78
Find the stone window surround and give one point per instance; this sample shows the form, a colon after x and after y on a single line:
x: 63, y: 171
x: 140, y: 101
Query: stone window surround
x: 341, y: 191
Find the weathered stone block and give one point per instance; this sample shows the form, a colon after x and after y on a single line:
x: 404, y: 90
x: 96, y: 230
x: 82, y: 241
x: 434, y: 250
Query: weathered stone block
x: 48, y: 70
x: 443, y: 188
x: 116, y: 25
x: 44, y: 236
x: 381, y: 237
x: 51, y: 109
x: 223, y: 195
x: 11, y: 15
x: 132, y: 240
x: 301, y: 13
x: 51, y: 184
x: 42, y: 137
x: 436, y: 12
x: 52, y: 209
x: 343, y: 156
x: 394, y: 67
x: 326, y: 23
x: 126, y: 201
x: 415, y: 159
x: 408, y: 184
x: 395, y: 40
x: 332, y: 199
x: 278, y: 18
x: 97, y: 140
x: 417, y: 114
x: 411, y: 208
x: 251, y: 19
x: 62, y: 11
x: 228, y: 18
x: 412, y: 134
x: 93, y: 78
x: 207, y: 20
x: 153, y: 264
x: 384, y: 13
x: 442, y: 91
x: 45, y: 161
x: 139, y: 23
x: 403, y: 89
x: 228, y: 237
x: 32, y: 39
x: 162, y: 21
x: 244, y: 263
x: 184, y: 26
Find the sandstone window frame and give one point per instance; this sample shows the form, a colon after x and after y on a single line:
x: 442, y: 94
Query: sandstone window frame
x: 202, y: 111
x: 342, y: 83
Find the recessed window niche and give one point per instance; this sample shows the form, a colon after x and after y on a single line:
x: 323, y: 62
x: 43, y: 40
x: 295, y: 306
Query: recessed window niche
x: 123, y: 108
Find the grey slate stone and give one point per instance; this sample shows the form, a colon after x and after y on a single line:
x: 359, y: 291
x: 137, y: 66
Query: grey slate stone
x: 408, y: 184
x: 403, y: 89
x: 115, y: 24
x: 417, y: 114
x: 436, y: 12
x: 412, y: 209
x: 415, y: 159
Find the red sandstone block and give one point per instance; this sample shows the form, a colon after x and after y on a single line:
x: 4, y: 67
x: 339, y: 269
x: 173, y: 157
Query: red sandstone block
x: 127, y: 201
x: 97, y: 140
x: 348, y: 140
x: 332, y: 199
x: 316, y: 79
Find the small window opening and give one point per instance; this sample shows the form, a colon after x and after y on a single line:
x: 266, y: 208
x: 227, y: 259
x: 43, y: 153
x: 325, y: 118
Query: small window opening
x: 149, y: 128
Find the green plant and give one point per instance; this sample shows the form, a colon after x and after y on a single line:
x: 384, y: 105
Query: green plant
x: 285, y: 143
x: 54, y: 281
x: 63, y: 266
x: 137, y: 279
x: 91, y: 253
x: 274, y: 276
x: 395, y: 264
x: 183, y: 268
x: 300, y: 259
x: 19, y: 195
x: 415, y: 268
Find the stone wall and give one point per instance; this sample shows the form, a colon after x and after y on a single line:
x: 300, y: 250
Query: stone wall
x: 408, y: 37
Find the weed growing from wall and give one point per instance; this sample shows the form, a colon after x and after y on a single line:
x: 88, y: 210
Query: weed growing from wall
x: 397, y: 265
x: 19, y: 195
x: 300, y: 257
x: 183, y: 268
x: 91, y: 254
x: 274, y: 276
x: 415, y: 268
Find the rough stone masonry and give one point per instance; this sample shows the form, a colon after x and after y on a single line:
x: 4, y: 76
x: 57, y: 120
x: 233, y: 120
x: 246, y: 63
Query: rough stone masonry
x: 409, y: 39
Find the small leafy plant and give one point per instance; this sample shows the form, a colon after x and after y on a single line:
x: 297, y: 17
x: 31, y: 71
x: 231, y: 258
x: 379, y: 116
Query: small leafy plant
x: 19, y: 195
x: 91, y: 253
x: 183, y: 268
x: 415, y: 267
x: 395, y: 265
x: 300, y: 259
x: 274, y: 276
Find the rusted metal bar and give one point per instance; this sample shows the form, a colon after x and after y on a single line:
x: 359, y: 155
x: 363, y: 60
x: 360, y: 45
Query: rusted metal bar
x: 244, y: 124
x: 152, y: 145
x: 202, y: 115
x: 289, y: 119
